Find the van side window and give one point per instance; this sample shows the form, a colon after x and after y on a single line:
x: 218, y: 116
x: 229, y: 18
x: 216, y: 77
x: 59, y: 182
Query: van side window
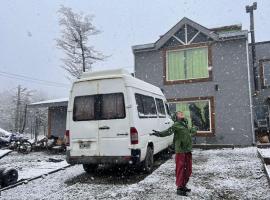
x: 146, y: 106
x: 160, y: 108
x: 167, y: 109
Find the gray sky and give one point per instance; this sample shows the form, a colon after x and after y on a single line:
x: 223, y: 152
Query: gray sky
x: 29, y: 28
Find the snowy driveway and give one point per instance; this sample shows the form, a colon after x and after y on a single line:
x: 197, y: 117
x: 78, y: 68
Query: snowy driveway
x: 217, y: 174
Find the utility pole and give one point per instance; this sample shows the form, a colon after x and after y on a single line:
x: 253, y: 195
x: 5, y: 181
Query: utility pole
x: 18, y: 102
x: 250, y: 9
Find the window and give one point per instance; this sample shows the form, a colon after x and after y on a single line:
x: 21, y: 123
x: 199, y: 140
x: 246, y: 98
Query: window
x: 167, y: 109
x: 160, y: 108
x: 99, y: 107
x: 186, y: 64
x: 84, y: 108
x: 112, y: 106
x: 265, y: 64
x: 146, y: 106
x: 197, y: 113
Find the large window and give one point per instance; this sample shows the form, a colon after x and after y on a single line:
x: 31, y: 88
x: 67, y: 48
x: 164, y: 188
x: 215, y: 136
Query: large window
x: 265, y: 64
x: 146, y: 106
x: 198, y: 113
x: 99, y: 107
x: 187, y: 64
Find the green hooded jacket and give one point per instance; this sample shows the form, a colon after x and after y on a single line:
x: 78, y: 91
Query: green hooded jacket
x: 182, y: 136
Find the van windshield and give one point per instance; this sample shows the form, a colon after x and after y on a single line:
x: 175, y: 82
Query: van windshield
x: 99, y: 107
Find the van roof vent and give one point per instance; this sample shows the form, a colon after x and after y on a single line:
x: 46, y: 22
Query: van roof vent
x: 105, y: 73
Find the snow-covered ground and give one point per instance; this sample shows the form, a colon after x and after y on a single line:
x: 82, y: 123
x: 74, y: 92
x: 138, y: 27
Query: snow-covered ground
x: 4, y: 152
x: 217, y: 174
x: 265, y: 152
x: 32, y: 164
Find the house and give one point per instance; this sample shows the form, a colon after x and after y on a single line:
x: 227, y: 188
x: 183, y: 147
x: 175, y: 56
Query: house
x: 206, y: 74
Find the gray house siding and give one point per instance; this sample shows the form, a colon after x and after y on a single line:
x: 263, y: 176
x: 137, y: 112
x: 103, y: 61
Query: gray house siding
x: 262, y: 52
x: 231, y: 102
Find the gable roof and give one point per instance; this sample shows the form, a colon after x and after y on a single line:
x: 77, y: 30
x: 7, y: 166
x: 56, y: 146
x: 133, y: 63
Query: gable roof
x: 214, y: 34
x: 185, y: 20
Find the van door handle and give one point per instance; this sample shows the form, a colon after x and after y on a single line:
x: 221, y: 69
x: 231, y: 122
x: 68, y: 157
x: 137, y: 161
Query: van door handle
x: 122, y: 134
x: 167, y: 122
x: 104, y: 127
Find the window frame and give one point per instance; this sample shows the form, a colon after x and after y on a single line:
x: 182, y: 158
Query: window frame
x: 160, y: 115
x: 211, y: 100
x: 145, y: 117
x: 184, y: 47
x: 261, y: 66
x: 97, y: 100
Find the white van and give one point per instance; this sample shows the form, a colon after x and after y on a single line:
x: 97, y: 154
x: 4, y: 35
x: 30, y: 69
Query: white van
x: 110, y: 117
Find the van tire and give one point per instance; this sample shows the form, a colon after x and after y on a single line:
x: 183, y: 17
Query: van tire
x: 148, y: 163
x: 90, y: 168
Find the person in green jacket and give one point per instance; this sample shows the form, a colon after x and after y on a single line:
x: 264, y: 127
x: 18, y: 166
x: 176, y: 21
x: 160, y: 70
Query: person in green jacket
x: 183, y: 147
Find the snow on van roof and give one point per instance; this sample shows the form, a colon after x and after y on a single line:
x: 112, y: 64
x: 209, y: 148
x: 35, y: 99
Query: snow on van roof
x: 101, y: 73
x: 120, y: 73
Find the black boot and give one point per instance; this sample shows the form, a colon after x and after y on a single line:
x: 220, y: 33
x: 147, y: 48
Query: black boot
x: 186, y: 189
x: 181, y: 192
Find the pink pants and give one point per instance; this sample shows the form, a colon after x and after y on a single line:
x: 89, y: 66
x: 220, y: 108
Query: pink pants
x: 183, y: 168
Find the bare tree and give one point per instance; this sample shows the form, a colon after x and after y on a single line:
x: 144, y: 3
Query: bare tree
x: 21, y: 99
x: 75, y: 30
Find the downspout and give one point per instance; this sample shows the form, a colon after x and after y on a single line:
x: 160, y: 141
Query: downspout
x: 250, y: 10
x: 250, y: 96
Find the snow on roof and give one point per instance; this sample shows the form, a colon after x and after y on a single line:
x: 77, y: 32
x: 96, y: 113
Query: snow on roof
x: 48, y: 102
x: 230, y: 35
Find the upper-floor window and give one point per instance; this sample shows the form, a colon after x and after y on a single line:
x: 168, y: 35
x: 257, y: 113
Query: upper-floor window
x: 187, y: 64
x: 265, y: 67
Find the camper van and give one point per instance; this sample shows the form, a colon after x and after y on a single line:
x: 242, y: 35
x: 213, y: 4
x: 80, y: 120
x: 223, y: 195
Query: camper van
x: 110, y: 118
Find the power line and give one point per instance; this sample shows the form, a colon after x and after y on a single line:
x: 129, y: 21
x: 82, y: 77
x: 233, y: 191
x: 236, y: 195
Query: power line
x: 28, y: 77
x: 31, y: 79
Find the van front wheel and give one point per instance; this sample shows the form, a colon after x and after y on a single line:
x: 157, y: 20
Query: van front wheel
x: 148, y: 163
x: 90, y: 168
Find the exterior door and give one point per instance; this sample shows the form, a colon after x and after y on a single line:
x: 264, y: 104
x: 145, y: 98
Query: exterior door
x: 114, y: 138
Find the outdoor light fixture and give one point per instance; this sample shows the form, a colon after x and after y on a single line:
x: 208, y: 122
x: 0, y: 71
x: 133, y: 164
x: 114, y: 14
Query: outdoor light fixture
x: 251, y: 8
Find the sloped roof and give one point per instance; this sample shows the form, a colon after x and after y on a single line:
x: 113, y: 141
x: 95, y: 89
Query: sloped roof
x: 49, y: 103
x: 173, y: 30
x: 215, y: 34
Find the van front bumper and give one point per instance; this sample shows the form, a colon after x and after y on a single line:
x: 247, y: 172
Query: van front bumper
x: 134, y: 158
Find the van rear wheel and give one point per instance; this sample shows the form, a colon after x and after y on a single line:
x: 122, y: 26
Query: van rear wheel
x: 148, y: 163
x: 90, y: 168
